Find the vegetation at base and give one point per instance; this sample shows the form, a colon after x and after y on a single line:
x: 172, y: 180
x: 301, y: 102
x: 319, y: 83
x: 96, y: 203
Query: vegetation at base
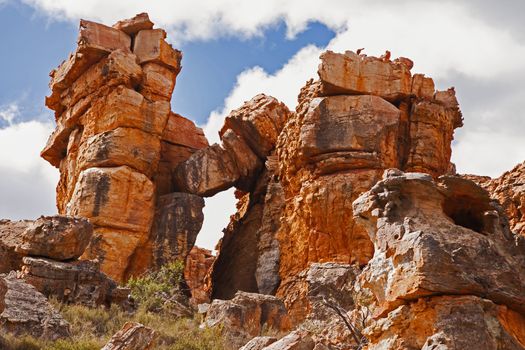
x: 91, y: 328
x: 151, y: 290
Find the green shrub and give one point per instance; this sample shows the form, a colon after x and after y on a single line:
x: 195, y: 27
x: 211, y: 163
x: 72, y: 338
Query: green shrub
x: 153, y: 289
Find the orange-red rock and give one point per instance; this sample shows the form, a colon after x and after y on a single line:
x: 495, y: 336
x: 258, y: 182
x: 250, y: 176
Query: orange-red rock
x: 132, y: 336
x: 350, y: 74
x: 124, y: 107
x: 509, y: 190
x: 117, y: 143
x: 149, y: 46
x: 98, y: 196
x: 447, y: 322
x: 429, y: 238
x: 133, y: 25
x: 183, y: 132
x: 132, y: 147
x: 158, y: 82
x: 198, y: 264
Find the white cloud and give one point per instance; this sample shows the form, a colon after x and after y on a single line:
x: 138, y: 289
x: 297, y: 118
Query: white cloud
x: 216, y: 217
x: 9, y: 112
x: 27, y: 182
x: 445, y: 43
x: 284, y: 85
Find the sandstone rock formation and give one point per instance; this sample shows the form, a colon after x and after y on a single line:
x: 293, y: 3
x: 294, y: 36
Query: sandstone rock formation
x: 327, y: 228
x: 117, y: 138
x: 428, y: 238
x: 132, y: 336
x: 244, y: 316
x: 28, y: 312
x: 364, y: 115
x: 55, y: 237
x: 336, y: 147
x: 198, y: 265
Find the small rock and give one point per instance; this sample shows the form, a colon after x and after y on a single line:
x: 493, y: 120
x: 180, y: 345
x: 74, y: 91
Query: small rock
x: 132, y: 336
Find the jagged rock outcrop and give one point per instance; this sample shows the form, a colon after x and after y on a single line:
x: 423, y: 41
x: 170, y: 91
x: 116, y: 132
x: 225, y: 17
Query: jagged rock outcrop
x: 360, y: 118
x: 56, y: 237
x: 117, y: 138
x: 428, y: 238
x: 244, y: 316
x: 132, y: 336
x: 198, y: 265
x: 248, y: 136
x: 27, y: 311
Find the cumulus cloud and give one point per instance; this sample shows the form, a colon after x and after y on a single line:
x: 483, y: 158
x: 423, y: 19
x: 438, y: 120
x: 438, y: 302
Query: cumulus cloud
x: 9, y: 112
x: 485, y: 62
x: 27, y: 185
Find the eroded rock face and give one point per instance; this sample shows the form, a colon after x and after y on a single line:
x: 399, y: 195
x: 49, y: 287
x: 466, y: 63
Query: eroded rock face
x: 198, y: 265
x: 350, y: 74
x: 57, y: 237
x: 361, y: 117
x: 27, y: 311
x: 244, y: 316
x: 448, y: 322
x: 132, y: 336
x: 117, y: 142
x: 428, y: 238
x: 447, y: 271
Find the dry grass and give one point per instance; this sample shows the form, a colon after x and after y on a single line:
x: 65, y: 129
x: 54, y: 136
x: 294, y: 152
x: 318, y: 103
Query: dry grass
x: 91, y: 328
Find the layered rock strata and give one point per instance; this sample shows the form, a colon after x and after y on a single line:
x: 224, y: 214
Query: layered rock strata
x: 58, y: 237
x: 362, y: 116
x: 428, y: 238
x: 28, y: 312
x: 116, y: 138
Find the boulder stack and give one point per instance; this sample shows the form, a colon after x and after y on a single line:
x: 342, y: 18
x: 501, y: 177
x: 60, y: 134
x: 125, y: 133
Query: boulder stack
x: 117, y: 142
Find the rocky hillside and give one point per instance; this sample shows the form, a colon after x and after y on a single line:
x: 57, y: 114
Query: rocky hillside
x: 352, y: 230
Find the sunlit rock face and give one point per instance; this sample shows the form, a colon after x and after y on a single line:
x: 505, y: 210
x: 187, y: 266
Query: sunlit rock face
x: 117, y: 142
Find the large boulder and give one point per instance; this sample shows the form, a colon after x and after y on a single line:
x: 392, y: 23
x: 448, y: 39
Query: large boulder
x: 429, y: 237
x: 246, y: 315
x: 57, y: 237
x: 249, y: 135
x: 350, y: 73
x: 448, y: 322
x: 27, y: 311
x: 78, y: 282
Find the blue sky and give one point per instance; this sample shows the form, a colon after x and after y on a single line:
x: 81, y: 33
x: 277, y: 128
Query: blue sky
x: 35, y: 44
x: 236, y: 49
